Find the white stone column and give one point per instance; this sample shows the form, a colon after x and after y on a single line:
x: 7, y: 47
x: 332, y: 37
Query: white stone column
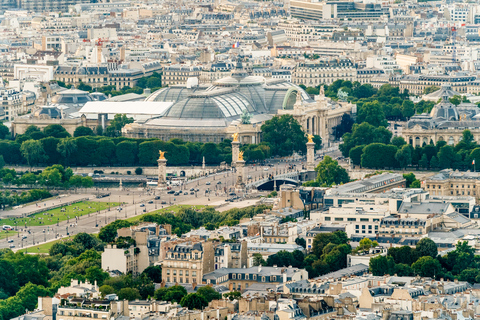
x: 240, y: 184
x: 310, y: 156
x: 162, y: 174
x: 235, y: 152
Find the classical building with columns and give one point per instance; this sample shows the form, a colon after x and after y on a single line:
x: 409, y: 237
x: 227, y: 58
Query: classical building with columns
x: 446, y: 122
x: 239, y: 104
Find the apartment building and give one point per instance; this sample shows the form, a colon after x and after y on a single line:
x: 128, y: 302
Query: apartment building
x: 140, y: 256
x: 327, y: 10
x: 188, y: 262
x: 12, y: 103
x: 452, y: 183
x: 178, y: 74
x: 231, y: 255
x: 48, y: 5
x: 416, y: 84
x: 241, y: 279
x: 312, y: 74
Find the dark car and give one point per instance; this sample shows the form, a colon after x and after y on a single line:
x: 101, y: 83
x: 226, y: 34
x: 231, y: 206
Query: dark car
x: 232, y: 194
x: 192, y: 189
x: 151, y: 201
x: 192, y: 192
x: 157, y: 198
x: 171, y: 192
x: 219, y: 182
x: 163, y: 202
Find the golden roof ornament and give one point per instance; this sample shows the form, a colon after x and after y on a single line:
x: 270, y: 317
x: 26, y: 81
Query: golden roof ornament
x: 310, y: 138
x: 162, y: 155
x: 240, y: 156
x: 235, y: 137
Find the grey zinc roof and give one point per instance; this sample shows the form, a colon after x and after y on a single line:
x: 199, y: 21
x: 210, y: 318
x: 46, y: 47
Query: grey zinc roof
x: 424, y: 208
x: 345, y: 272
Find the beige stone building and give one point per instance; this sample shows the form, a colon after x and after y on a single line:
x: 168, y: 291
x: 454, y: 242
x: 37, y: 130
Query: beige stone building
x: 324, y: 72
x: 446, y: 122
x: 416, y: 84
x: 237, y: 104
x: 179, y: 74
x: 188, y: 262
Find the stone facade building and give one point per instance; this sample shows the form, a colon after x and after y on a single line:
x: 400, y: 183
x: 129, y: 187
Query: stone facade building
x: 446, y: 122
x: 188, y: 262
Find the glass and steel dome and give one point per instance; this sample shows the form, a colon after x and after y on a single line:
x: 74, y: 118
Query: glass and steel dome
x: 173, y: 93
x: 227, y: 98
x: 211, y: 105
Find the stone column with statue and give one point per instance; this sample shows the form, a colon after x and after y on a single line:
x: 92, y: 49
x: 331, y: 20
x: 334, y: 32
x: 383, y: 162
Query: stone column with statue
x: 235, y: 149
x: 311, y: 158
x: 240, y: 166
x: 162, y: 171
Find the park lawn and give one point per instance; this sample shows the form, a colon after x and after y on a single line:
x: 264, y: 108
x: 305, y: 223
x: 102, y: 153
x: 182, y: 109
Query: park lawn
x: 43, y: 248
x: 50, y: 217
x: 173, y: 209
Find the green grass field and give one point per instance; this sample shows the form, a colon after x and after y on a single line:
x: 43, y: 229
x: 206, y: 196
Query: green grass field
x: 50, y: 217
x: 173, y: 209
x: 43, y: 248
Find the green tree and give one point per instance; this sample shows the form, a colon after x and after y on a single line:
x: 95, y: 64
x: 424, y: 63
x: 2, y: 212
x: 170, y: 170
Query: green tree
x: 8, y: 278
x: 84, y: 87
x: 409, y: 178
x: 4, y: 132
x: 403, y: 255
x: 154, y: 273
x: 194, y: 301
x: 209, y: 293
x: 83, y: 131
x: 285, y: 135
x: 258, y: 260
x: 427, y: 266
x: 116, y: 124
x: 232, y: 295
x: 446, y: 156
x: 126, y: 152
x: 430, y: 89
x: 372, y: 113
x: 173, y: 294
x: 408, y: 109
x: 456, y: 100
x: 67, y: 147
x: 371, y: 159
x: 426, y: 247
x: 106, y: 289
x: 365, y: 245
x: 404, y: 156
x: 94, y: 273
x: 109, y: 232
x: 382, y: 265
x: 398, y: 142
x: 364, y: 134
x: 301, y: 242
x: 56, y: 131
x: 323, y: 239
x: 423, y: 162
x: 129, y: 294
x: 355, y: 154
x: 434, y: 163
x: 32, y: 151
x: 329, y: 172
